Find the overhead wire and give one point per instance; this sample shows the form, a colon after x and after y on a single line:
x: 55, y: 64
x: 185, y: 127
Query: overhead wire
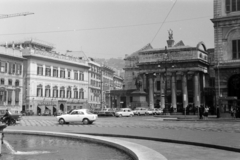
x: 164, y: 20
x: 102, y: 28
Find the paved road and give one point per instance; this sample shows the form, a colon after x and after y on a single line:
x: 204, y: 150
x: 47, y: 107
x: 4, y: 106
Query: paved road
x: 219, y: 133
x: 147, y: 122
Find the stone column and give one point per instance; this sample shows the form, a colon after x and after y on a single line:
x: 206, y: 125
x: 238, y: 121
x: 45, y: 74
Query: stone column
x: 151, y: 101
x: 204, y: 85
x: 118, y: 102
x: 174, y: 98
x: 196, y: 89
x: 184, y: 89
x: 128, y: 101
x: 144, y: 81
x: 162, y: 94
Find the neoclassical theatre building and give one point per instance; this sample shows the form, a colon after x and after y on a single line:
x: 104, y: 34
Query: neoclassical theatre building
x: 175, y: 76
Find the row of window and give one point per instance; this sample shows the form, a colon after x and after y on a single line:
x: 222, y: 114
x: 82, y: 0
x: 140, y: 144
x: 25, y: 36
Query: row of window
x: 95, y: 83
x: 11, y: 68
x: 9, y: 82
x: 60, y: 93
x: 95, y: 69
x: 95, y: 98
x: 93, y: 75
x: 6, y: 96
x: 108, y: 74
x: 232, y: 5
x: 63, y: 74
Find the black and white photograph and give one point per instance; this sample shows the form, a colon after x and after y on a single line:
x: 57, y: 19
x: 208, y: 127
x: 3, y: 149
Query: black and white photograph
x: 120, y: 79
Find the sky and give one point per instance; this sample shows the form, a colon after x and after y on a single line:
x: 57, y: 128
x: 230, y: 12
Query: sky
x: 108, y: 28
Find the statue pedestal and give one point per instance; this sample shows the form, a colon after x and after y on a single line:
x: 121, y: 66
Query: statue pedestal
x: 2, y: 126
x: 139, y: 99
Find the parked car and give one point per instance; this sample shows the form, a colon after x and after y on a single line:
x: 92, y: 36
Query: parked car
x: 78, y: 115
x: 106, y: 112
x: 159, y: 111
x: 151, y: 111
x: 140, y: 111
x: 124, y: 112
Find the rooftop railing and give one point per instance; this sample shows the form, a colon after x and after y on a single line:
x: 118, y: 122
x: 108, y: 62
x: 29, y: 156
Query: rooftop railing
x: 10, y: 51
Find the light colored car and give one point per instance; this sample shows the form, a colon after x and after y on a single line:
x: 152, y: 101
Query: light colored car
x: 140, y: 111
x: 159, y: 110
x: 151, y: 111
x: 78, y: 115
x: 124, y: 112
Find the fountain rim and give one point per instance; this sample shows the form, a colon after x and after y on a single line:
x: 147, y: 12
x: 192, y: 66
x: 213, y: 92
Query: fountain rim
x: 136, y: 151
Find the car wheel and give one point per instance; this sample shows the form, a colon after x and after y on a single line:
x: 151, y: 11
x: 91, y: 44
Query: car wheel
x: 138, y: 114
x: 85, y: 121
x: 61, y: 121
x: 90, y: 122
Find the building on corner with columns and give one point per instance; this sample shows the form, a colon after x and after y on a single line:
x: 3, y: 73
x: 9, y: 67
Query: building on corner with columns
x: 227, y: 53
x: 172, y: 76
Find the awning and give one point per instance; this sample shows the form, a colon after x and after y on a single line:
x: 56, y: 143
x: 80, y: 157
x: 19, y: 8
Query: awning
x: 228, y: 98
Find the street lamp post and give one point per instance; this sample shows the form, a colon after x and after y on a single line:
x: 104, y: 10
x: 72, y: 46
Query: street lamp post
x: 166, y: 59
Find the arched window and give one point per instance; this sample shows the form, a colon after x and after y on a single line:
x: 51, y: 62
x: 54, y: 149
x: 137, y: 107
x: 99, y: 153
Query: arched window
x: 81, y: 93
x: 62, y: 92
x: 75, y: 90
x: 17, y: 83
x: 47, y: 91
x: 39, y: 90
x: 9, y: 82
x: 69, y: 92
x: 2, y: 81
x: 55, y: 92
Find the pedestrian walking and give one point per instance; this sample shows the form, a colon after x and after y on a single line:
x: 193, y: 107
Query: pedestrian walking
x: 206, y: 109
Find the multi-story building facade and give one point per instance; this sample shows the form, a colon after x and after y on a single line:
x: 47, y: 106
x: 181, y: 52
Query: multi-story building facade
x: 227, y: 52
x: 117, y: 82
x: 11, y: 79
x: 94, y: 90
x: 107, y: 84
x: 53, y: 82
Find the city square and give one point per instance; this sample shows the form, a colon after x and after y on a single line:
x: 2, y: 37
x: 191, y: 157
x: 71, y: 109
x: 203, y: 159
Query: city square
x: 142, y: 80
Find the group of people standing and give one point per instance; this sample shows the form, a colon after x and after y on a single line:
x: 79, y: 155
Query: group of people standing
x: 235, y: 112
x: 203, y: 112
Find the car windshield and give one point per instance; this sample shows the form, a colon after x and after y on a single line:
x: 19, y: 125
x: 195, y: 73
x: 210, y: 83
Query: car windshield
x: 68, y: 112
x: 89, y: 112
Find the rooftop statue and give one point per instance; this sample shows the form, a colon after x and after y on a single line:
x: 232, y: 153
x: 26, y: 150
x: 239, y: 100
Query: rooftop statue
x: 170, y: 33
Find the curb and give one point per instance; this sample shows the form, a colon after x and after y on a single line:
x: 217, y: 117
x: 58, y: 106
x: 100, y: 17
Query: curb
x: 237, y: 150
x: 135, y: 151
